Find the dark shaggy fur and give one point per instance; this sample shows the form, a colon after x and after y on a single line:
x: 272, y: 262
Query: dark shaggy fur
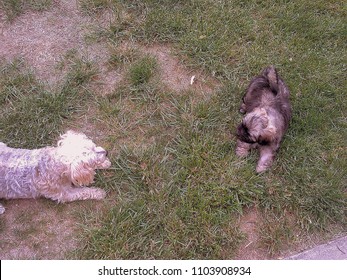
x: 267, y: 114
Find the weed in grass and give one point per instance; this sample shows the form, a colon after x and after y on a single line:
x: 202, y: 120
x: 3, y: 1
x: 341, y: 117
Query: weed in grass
x: 141, y: 86
x: 122, y: 58
x: 80, y: 71
x: 142, y: 71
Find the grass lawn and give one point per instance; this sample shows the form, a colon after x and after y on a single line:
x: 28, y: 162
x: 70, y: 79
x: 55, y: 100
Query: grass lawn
x: 178, y: 190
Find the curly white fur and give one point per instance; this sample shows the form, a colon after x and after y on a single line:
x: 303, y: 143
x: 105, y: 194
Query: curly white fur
x: 59, y: 173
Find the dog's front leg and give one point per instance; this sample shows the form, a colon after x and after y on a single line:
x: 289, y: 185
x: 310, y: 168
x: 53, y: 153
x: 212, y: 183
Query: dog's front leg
x: 242, y: 148
x: 83, y: 193
x: 69, y: 194
x: 267, y: 155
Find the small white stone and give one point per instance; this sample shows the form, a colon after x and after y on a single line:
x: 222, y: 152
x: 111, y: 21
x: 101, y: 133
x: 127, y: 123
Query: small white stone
x: 192, y: 80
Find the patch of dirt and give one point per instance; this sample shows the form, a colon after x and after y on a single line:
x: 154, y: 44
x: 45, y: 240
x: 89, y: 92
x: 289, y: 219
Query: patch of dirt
x: 250, y: 248
x: 178, y: 77
x: 32, y: 229
x: 42, y: 39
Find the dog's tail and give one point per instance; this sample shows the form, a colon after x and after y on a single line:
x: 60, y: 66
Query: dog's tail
x: 280, y: 89
x: 270, y: 73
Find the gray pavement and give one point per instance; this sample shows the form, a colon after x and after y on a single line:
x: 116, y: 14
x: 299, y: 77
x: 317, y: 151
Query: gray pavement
x: 333, y: 250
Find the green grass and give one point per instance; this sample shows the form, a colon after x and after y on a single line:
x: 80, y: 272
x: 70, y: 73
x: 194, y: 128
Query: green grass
x: 196, y: 180
x: 141, y: 71
x: 160, y: 215
x: 14, y: 8
x: 119, y: 58
x: 92, y: 7
x: 176, y: 189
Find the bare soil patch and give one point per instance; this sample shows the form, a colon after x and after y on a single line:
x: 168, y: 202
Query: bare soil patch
x: 178, y: 77
x: 37, y: 229
x: 42, y: 39
x: 250, y: 249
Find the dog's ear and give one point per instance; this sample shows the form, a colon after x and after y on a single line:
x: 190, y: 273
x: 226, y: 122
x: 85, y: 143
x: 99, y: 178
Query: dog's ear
x: 270, y: 73
x: 71, y: 137
x: 64, y: 138
x: 242, y: 130
x: 242, y: 133
x: 81, y: 173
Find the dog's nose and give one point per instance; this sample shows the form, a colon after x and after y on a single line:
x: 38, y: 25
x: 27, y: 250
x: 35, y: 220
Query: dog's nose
x: 104, y: 152
x: 100, y: 150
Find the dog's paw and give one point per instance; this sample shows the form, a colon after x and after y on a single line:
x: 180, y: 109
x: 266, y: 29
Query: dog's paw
x: 98, y: 193
x: 240, y: 152
x: 2, y: 209
x: 243, y: 109
x: 261, y: 168
x: 242, y: 149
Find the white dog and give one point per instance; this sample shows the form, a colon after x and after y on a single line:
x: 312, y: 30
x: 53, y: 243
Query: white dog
x: 60, y: 173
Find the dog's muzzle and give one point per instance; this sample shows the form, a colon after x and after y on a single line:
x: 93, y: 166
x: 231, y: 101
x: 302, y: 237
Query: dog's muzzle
x: 102, y: 155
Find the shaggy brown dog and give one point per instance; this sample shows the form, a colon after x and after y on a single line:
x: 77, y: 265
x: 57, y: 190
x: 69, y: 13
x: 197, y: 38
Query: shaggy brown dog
x: 267, y: 114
